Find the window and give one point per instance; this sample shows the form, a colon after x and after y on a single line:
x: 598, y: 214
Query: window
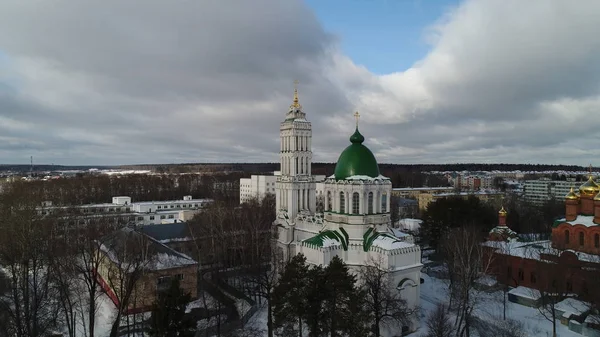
x: 140, y: 218
x: 152, y: 217
x: 355, y: 203
x: 370, y: 203
x: 596, y: 240
x: 158, y: 207
x: 567, y: 236
x: 162, y: 216
x: 521, y: 274
x: 532, y: 278
x: 342, y: 203
x: 329, y: 201
x: 581, y: 238
x: 170, y: 216
x: 384, y: 203
x: 569, y: 286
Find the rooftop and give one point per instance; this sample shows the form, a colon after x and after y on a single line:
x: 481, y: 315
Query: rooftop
x: 123, y: 248
x: 585, y: 220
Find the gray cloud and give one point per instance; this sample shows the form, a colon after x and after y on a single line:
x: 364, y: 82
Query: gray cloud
x: 115, y: 82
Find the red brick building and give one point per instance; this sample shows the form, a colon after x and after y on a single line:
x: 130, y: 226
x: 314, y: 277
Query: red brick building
x: 567, y: 263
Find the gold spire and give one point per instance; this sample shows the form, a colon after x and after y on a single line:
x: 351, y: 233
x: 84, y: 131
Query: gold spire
x: 296, y: 103
x: 502, y: 212
x: 356, y: 116
x: 571, y: 195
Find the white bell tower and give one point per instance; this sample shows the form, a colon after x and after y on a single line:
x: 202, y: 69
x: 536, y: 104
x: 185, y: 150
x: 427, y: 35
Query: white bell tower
x: 295, y: 188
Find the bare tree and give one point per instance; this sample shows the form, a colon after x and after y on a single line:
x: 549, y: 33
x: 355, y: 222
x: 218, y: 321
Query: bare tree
x: 555, y: 284
x: 24, y: 247
x: 127, y: 256
x: 466, y: 260
x: 438, y: 323
x: 261, y: 261
x: 383, y: 303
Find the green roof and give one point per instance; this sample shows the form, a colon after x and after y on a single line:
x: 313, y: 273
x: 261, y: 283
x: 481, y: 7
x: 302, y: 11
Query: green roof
x: 356, y: 160
x: 340, y: 236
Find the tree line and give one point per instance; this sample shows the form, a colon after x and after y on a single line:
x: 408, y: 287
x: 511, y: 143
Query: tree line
x: 87, y: 189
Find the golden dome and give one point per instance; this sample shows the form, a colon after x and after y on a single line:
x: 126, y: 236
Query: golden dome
x: 589, y: 187
x: 502, y: 212
x: 597, y: 197
x: 571, y: 195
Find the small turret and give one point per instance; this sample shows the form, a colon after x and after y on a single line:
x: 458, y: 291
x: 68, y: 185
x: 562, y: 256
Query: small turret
x: 572, y: 205
x: 502, y: 217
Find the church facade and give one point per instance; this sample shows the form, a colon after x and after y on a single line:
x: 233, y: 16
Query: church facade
x: 355, y: 223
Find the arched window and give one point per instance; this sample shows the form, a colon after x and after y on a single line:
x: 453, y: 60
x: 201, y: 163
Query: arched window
x: 342, y: 203
x: 596, y: 240
x: 567, y: 236
x: 329, y: 201
x: 581, y: 238
x: 384, y: 203
x: 370, y: 203
x: 355, y: 203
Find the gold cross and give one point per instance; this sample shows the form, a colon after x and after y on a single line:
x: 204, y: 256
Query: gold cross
x: 357, y: 116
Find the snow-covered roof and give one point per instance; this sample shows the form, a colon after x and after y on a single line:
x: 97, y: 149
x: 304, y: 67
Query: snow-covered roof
x: 388, y: 242
x: 487, y: 280
x: 124, y: 246
x: 572, y: 306
x: 525, y: 292
x: 585, y: 220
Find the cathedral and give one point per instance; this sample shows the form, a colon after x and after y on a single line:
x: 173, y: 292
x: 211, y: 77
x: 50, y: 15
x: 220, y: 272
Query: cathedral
x: 355, y: 224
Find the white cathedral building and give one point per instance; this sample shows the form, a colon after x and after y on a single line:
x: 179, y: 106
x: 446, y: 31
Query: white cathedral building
x: 355, y: 224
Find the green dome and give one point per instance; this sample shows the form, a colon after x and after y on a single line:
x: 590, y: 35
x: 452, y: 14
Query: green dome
x: 356, y: 160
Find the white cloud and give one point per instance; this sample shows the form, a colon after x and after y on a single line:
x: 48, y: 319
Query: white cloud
x: 119, y: 82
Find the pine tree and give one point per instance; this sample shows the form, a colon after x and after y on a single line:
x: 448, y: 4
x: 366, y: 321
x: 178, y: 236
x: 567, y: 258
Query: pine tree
x: 289, y: 297
x: 315, y: 296
x: 343, y: 301
x: 168, y: 315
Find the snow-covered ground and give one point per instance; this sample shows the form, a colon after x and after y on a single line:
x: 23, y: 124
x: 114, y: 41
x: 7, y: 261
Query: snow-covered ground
x: 433, y: 291
x: 490, y: 309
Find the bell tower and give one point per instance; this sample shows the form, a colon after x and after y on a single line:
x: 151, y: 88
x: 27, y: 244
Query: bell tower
x: 295, y: 187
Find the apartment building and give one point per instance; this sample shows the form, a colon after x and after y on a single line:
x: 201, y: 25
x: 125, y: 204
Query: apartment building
x: 413, y: 192
x: 257, y: 186
x: 122, y: 210
x: 543, y: 189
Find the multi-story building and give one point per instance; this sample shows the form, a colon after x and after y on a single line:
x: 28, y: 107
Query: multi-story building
x: 257, y: 186
x: 132, y: 257
x: 413, y: 192
x: 544, y: 189
x: 425, y: 199
x: 123, y: 210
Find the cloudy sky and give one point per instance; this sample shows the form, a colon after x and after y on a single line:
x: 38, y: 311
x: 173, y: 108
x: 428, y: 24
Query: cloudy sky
x: 153, y: 81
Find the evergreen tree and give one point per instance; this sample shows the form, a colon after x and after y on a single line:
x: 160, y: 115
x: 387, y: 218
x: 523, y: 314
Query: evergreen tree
x: 315, y: 296
x: 343, y: 305
x: 289, y: 297
x: 454, y: 212
x: 168, y: 313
